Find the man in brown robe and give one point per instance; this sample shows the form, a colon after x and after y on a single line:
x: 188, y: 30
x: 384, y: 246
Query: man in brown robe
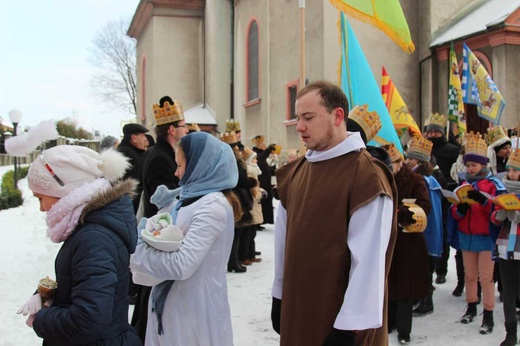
x: 334, y: 233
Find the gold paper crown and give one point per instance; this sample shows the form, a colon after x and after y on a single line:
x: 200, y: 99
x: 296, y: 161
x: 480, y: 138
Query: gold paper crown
x: 232, y: 125
x: 393, y: 152
x: 438, y: 119
x: 258, y: 140
x: 193, y: 127
x: 514, y: 159
x: 369, y: 121
x: 495, y: 134
x: 229, y: 137
x: 168, y: 113
x: 421, y: 147
x: 475, y: 144
x: 247, y: 152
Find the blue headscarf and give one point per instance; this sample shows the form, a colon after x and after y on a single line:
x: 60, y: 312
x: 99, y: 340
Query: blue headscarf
x: 210, y: 167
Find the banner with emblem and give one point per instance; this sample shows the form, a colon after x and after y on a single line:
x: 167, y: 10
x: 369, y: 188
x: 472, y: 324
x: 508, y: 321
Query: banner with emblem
x: 479, y: 89
x: 401, y: 118
x: 455, y: 102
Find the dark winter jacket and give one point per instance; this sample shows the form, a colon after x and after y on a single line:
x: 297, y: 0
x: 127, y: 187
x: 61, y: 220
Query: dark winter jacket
x: 135, y: 171
x: 159, y: 169
x: 92, y: 271
x: 446, y: 155
x: 409, y: 277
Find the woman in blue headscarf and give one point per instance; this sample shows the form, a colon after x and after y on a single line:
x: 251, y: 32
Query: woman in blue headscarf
x: 190, y: 304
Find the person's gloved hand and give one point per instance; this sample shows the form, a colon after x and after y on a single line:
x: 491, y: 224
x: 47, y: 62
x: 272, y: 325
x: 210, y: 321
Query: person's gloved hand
x: 276, y: 312
x: 32, y: 306
x: 340, y: 338
x: 501, y: 215
x: 404, y: 216
x: 513, y: 216
x: 462, y: 208
x: 477, y: 196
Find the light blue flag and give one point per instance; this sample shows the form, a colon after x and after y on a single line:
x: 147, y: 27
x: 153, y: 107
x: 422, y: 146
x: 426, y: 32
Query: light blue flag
x: 479, y: 89
x: 360, y: 86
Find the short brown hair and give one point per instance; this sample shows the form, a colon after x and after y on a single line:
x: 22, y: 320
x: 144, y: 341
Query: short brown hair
x: 331, y: 95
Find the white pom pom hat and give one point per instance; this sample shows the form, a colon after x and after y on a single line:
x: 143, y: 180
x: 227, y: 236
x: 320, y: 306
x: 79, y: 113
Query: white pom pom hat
x: 59, y: 170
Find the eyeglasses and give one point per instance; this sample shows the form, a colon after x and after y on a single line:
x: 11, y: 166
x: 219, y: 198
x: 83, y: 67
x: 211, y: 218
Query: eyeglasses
x: 177, y: 126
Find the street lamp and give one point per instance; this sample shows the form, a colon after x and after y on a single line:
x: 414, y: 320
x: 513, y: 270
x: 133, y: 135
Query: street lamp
x: 15, y: 116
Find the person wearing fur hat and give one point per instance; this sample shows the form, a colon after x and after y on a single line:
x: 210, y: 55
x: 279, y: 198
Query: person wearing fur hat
x: 159, y: 169
x: 90, y: 211
x: 189, y: 300
x: 508, y: 250
x: 407, y: 283
x: 476, y: 234
x: 499, y: 149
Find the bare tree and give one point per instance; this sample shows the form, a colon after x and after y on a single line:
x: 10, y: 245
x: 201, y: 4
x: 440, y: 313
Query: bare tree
x: 114, y: 52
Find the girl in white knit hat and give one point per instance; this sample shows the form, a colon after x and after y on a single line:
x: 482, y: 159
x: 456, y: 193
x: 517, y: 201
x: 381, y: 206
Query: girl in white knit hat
x: 92, y: 214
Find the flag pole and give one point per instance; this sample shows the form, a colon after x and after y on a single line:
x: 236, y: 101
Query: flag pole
x: 301, y: 5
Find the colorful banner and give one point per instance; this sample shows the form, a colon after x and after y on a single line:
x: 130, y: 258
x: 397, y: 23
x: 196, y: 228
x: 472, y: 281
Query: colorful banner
x: 360, y: 86
x: 455, y: 102
x: 401, y: 118
x: 478, y: 88
x: 386, y: 15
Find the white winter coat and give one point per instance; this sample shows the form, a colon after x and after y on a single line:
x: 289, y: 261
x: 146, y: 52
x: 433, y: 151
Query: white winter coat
x: 196, y: 310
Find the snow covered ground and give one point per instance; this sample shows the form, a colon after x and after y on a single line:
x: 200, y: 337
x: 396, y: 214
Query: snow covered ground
x: 27, y: 255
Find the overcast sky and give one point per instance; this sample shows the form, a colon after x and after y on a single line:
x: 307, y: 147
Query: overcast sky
x: 44, y: 72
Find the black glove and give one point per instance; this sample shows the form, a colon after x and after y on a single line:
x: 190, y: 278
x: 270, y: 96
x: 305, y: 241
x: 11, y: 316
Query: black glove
x: 477, y: 196
x: 463, y: 208
x: 340, y: 338
x: 404, y: 216
x: 276, y: 311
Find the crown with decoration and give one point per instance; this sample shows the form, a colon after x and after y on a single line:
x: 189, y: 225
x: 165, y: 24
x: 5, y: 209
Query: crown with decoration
x: 369, y: 121
x: 495, y: 134
x: 514, y: 159
x: 393, y: 152
x: 229, y: 137
x: 420, y: 148
x: 475, y: 144
x: 232, y: 125
x: 437, y: 119
x: 193, y: 127
x: 170, y: 112
x: 247, y: 152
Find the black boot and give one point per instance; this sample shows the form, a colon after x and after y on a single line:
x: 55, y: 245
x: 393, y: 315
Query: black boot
x: 471, y: 312
x: 425, y: 307
x: 233, y: 263
x: 511, y: 334
x: 487, y: 322
x: 457, y: 292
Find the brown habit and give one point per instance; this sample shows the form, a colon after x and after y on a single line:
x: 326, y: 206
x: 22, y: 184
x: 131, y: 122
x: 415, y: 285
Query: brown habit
x: 320, y: 198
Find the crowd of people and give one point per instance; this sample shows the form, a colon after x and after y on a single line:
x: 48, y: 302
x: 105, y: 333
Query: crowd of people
x: 351, y: 221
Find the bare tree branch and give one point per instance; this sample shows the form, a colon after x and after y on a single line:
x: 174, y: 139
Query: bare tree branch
x: 114, y: 53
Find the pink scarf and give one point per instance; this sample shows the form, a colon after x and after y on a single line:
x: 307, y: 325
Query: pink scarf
x: 63, y: 217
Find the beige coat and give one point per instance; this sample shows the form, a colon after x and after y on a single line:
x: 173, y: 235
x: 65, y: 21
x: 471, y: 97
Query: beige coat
x: 253, y: 172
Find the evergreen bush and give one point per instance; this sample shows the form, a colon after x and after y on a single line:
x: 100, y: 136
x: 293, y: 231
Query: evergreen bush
x: 11, y: 197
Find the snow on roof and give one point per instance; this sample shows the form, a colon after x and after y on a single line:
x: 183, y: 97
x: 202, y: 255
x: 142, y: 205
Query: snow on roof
x: 199, y: 115
x: 490, y: 13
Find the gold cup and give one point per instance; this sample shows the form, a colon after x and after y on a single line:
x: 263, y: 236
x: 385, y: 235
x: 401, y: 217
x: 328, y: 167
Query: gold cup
x: 47, y: 288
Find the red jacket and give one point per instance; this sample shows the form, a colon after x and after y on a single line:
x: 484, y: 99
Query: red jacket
x: 476, y: 220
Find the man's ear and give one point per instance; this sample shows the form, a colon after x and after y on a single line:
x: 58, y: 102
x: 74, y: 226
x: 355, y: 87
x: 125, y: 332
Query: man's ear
x: 339, y: 116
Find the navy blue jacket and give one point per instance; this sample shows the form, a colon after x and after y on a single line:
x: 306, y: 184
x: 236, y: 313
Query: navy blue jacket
x: 92, y: 271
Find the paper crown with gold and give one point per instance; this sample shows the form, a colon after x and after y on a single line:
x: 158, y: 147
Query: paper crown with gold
x: 193, y: 127
x: 247, y: 152
x: 232, y: 125
x: 393, y: 152
x: 369, y: 121
x: 437, y: 119
x: 475, y: 149
x: 169, y: 112
x: 229, y: 137
x: 419, y: 148
x: 258, y: 140
x: 514, y: 159
x: 496, y: 135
